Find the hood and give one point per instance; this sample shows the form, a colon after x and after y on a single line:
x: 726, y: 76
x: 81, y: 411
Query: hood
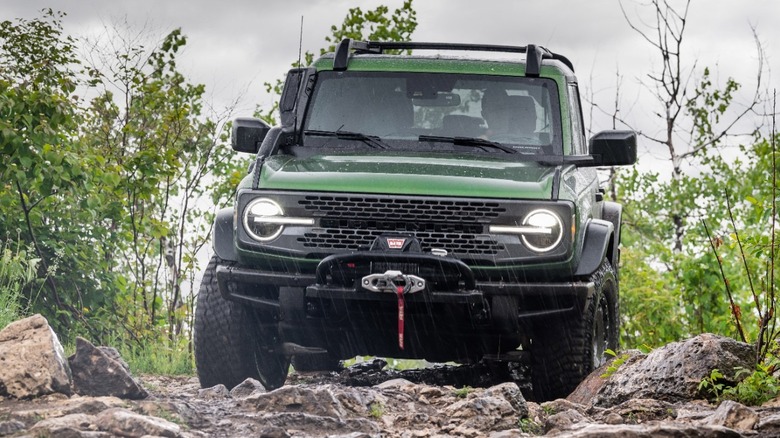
x: 405, y: 174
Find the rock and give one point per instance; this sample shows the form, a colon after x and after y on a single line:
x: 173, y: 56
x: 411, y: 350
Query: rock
x: 400, y: 384
x: 113, y: 353
x: 587, y: 389
x: 316, y: 425
x: 273, y: 432
x: 66, y: 426
x: 638, y: 411
x: 75, y: 405
x: 769, y: 425
x: 734, y: 416
x: 612, y: 407
x: 511, y: 393
x: 650, y: 430
x: 26, y: 342
x: 314, y: 401
x: 482, y: 412
x: 213, y: 393
x: 673, y: 372
x: 121, y: 422
x: 563, y: 421
x: 97, y: 373
x: 246, y: 388
x: 10, y: 427
x: 560, y: 405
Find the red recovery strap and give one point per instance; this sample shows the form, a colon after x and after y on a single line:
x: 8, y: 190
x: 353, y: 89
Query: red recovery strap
x: 400, y: 292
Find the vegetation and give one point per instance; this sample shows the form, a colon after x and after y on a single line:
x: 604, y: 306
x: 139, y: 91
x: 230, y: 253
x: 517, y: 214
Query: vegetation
x: 615, y: 364
x: 113, y: 197
x: 462, y: 392
x: 17, y: 270
x: 671, y: 287
x: 376, y: 410
x: 529, y: 426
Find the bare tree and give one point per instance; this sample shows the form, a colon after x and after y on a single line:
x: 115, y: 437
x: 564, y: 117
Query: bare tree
x: 695, y: 114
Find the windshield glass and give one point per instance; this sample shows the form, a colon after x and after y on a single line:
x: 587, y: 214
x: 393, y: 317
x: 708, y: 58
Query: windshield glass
x: 399, y: 108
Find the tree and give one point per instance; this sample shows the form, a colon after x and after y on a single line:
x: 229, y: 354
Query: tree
x: 149, y: 124
x: 48, y: 179
x: 696, y: 118
x: 116, y: 196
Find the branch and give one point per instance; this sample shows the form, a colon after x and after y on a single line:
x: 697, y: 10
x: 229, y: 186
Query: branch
x: 734, y: 309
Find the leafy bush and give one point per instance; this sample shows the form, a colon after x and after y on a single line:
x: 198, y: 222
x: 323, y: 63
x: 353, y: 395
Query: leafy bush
x: 756, y: 387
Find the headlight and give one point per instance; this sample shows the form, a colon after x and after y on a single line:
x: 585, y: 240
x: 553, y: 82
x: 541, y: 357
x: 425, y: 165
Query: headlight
x: 544, y: 230
x: 264, y: 220
x: 541, y: 230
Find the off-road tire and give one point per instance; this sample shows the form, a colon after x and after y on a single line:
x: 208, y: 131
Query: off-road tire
x: 231, y: 343
x: 565, y: 350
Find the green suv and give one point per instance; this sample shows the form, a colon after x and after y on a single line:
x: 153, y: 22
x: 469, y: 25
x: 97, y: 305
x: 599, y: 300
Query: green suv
x: 435, y: 207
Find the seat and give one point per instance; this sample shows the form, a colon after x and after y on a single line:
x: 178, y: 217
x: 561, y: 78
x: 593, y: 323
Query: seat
x: 522, y: 115
x: 459, y: 125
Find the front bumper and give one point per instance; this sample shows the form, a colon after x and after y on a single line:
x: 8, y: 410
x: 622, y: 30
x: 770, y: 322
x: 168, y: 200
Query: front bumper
x: 452, y: 317
x: 533, y: 299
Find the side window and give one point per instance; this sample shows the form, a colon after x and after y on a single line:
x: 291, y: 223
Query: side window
x: 579, y: 146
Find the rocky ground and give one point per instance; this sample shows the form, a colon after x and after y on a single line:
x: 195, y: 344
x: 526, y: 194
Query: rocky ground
x: 649, y: 395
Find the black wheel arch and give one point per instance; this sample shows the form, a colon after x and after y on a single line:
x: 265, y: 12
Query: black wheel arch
x: 595, y: 245
x: 601, y: 240
x: 613, y: 212
x: 222, y: 235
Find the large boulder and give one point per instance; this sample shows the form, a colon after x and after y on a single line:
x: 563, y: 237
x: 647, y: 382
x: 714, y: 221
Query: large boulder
x: 671, y: 373
x: 32, y: 361
x: 101, y: 372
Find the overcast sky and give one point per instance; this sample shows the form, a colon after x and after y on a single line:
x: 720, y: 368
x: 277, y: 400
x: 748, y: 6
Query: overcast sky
x: 236, y: 45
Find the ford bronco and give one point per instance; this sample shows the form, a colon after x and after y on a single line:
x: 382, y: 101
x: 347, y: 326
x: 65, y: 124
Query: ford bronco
x: 418, y: 205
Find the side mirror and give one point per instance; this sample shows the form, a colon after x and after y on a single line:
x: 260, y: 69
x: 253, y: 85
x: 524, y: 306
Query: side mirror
x: 613, y: 148
x: 248, y: 133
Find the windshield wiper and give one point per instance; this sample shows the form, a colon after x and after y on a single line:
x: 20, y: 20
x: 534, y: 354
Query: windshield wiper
x: 468, y: 141
x: 371, y: 140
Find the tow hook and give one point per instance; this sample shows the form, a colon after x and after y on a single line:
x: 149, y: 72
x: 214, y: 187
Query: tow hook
x: 391, y: 281
x: 395, y: 282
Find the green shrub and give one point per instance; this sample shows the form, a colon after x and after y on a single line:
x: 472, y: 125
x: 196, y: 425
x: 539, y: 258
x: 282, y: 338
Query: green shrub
x: 17, y: 270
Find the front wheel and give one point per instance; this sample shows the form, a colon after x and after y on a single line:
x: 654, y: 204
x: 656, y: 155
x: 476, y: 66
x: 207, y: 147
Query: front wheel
x: 566, y: 349
x: 234, y: 342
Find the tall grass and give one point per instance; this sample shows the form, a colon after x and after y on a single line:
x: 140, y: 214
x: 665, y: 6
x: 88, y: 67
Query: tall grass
x: 159, y: 358
x: 17, y: 270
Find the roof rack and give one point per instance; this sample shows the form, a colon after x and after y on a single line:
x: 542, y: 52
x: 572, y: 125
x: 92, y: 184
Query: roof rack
x: 534, y: 54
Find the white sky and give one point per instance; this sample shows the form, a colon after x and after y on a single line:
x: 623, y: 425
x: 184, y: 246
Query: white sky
x: 236, y: 45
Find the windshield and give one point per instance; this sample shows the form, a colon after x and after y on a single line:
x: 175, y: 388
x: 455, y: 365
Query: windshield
x: 436, y: 111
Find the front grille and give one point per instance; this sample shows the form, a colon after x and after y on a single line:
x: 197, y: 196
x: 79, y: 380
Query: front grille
x: 403, y: 209
x: 352, y: 223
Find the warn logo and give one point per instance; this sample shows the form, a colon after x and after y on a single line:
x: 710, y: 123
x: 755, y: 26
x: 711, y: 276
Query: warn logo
x: 395, y: 243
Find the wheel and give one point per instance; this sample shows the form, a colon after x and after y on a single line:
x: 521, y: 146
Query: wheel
x: 231, y: 343
x: 565, y: 350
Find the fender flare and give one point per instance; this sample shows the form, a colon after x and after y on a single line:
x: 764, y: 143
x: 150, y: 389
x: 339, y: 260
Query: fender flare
x: 613, y: 212
x: 598, y: 235
x: 222, y: 235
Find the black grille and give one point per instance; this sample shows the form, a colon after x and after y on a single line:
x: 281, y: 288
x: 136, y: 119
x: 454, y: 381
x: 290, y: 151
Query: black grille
x: 402, y: 209
x: 351, y: 223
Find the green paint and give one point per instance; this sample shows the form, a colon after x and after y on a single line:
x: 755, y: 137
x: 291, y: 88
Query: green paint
x: 409, y: 174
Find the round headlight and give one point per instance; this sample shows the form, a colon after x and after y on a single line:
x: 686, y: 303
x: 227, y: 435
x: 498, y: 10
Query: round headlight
x: 547, y: 230
x: 261, y: 219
